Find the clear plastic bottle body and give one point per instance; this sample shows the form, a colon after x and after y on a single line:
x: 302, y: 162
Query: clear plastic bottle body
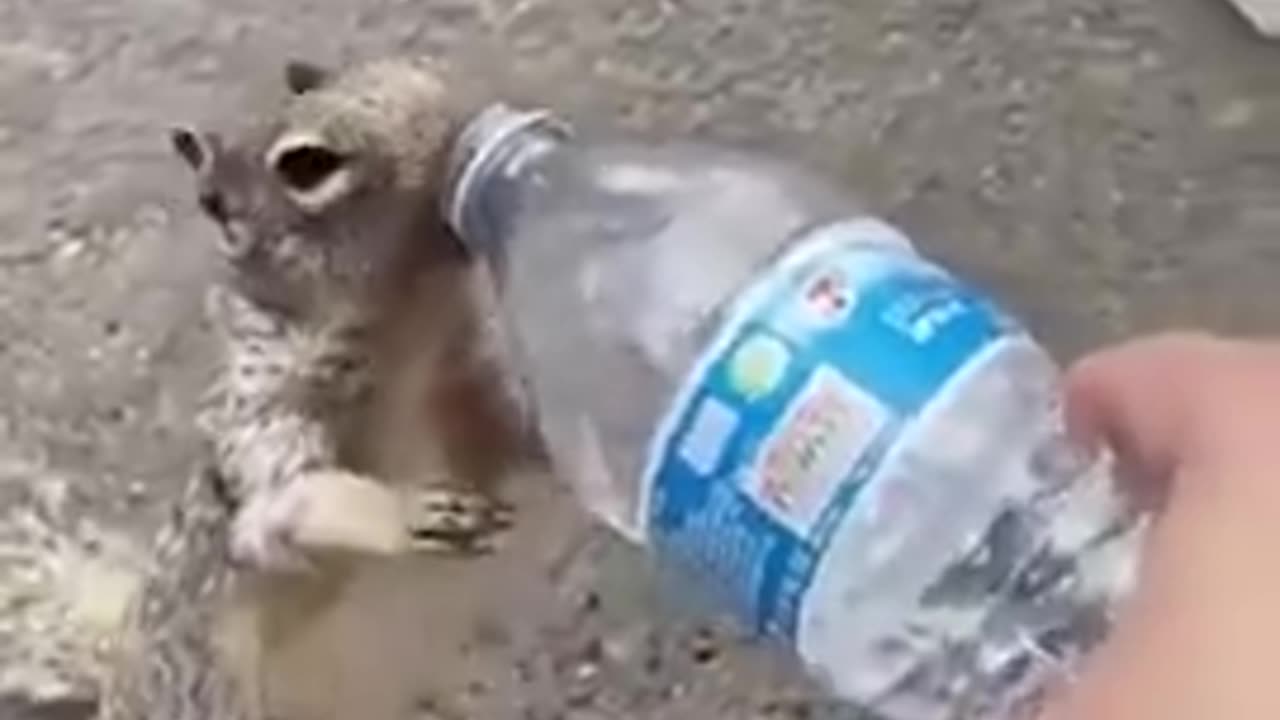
x: 609, y: 300
x: 985, y: 555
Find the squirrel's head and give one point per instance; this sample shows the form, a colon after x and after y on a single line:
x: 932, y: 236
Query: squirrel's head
x: 341, y: 181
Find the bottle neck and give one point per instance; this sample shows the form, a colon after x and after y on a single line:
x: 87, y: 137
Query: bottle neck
x: 487, y: 162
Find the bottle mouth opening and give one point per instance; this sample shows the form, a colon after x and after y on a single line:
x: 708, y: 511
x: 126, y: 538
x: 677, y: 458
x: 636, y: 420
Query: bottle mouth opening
x: 475, y: 148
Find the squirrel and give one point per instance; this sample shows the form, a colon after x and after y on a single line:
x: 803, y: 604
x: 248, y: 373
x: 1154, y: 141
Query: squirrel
x: 365, y: 408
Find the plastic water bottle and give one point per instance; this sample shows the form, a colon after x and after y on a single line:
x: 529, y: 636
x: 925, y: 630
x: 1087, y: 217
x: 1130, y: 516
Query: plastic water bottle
x: 854, y: 451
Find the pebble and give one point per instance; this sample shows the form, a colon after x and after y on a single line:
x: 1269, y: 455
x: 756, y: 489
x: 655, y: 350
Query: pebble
x: 1234, y: 115
x: 703, y: 647
x: 69, y: 251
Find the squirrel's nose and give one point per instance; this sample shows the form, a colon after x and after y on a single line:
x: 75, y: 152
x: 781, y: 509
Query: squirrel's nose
x: 213, y: 205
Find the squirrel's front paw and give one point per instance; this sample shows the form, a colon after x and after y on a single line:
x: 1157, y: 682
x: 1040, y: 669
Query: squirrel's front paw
x: 264, y: 530
x: 323, y: 512
x: 283, y: 529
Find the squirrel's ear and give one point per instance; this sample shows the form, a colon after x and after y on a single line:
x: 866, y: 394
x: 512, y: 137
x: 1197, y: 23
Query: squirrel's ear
x: 301, y: 76
x: 194, y: 147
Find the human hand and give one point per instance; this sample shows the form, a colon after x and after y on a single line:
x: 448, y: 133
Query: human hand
x: 1194, y: 422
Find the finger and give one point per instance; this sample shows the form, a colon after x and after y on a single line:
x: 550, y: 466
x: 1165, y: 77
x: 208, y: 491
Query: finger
x: 1139, y: 399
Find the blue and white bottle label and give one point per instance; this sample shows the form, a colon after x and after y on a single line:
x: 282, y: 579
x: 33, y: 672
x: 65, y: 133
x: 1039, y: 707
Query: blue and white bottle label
x: 823, y: 362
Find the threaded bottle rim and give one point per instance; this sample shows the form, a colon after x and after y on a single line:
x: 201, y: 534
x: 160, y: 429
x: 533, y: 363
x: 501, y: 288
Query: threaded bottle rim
x: 476, y: 146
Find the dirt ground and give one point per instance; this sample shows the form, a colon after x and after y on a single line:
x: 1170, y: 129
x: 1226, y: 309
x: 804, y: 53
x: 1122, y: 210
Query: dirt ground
x: 1105, y: 166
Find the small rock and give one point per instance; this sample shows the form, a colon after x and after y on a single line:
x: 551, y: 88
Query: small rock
x: 586, y: 672
x: 69, y: 251
x: 136, y: 491
x: 703, y: 647
x: 1234, y: 115
x: 588, y: 603
x: 1264, y: 14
